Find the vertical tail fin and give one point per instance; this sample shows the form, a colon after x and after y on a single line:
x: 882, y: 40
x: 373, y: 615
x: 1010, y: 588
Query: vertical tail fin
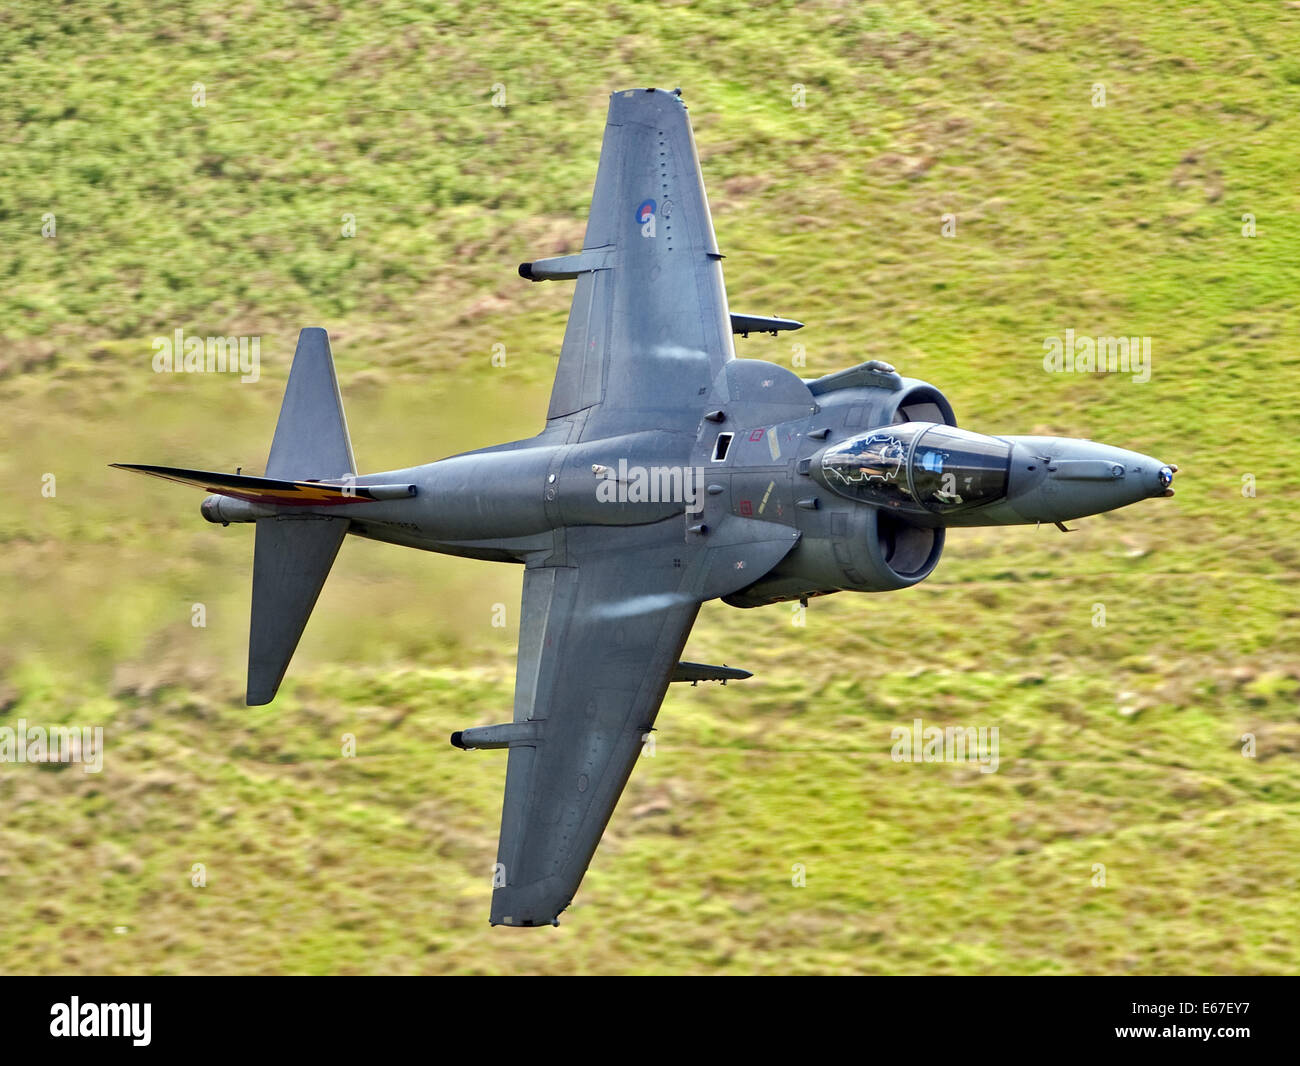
x: 311, y: 437
x: 294, y: 551
x: 293, y: 556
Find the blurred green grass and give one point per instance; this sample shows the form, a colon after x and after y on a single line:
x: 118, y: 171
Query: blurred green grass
x: 1119, y: 745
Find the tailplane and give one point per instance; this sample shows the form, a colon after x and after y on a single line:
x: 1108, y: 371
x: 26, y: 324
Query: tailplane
x: 273, y: 492
x: 310, y: 469
x: 292, y: 558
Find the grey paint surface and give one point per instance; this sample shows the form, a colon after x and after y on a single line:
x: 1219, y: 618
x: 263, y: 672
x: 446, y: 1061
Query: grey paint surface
x: 311, y: 437
x: 291, y: 559
x: 668, y: 473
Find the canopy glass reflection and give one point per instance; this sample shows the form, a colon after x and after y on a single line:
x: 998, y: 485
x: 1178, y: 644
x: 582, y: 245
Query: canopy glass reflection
x: 919, y: 465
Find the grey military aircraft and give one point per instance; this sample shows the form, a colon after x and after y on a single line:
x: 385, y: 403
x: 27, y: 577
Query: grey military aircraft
x: 669, y: 473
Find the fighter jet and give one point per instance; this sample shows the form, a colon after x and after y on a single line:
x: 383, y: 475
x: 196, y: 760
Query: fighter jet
x: 669, y: 473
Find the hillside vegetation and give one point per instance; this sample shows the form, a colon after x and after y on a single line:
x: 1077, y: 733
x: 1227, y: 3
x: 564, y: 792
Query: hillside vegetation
x: 127, y: 212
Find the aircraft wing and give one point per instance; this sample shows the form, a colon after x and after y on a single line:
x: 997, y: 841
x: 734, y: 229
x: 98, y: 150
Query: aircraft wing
x: 598, y: 643
x: 602, y: 627
x: 649, y: 328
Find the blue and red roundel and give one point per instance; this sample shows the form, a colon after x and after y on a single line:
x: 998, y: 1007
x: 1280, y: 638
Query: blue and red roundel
x: 645, y: 212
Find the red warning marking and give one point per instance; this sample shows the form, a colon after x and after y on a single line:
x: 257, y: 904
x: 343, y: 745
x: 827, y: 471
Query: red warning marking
x: 756, y: 435
x: 746, y: 507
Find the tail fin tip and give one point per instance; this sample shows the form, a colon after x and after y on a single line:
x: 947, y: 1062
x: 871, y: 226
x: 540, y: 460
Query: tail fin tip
x: 311, y: 436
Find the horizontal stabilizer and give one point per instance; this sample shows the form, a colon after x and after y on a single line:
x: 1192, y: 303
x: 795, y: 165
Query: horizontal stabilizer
x: 272, y: 490
x: 291, y: 560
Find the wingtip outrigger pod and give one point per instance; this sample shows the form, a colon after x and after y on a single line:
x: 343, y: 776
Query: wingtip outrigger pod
x: 697, y: 672
x: 744, y: 325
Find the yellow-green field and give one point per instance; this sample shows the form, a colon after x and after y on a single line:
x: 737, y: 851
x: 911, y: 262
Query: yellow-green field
x: 127, y: 212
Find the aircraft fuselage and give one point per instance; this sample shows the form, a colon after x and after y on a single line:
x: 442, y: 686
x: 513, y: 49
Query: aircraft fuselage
x: 869, y: 477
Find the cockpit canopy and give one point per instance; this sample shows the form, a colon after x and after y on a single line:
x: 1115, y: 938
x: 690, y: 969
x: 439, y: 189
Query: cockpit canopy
x: 918, y: 466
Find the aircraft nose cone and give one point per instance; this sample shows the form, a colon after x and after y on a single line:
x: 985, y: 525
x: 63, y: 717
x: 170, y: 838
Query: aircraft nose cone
x: 1059, y: 478
x: 1165, y: 476
x: 1155, y: 477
